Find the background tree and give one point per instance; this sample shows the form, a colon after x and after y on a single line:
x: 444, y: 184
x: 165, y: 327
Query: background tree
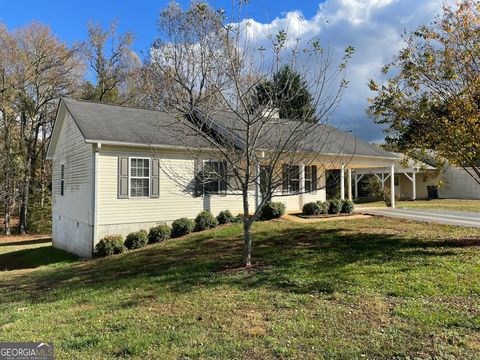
x: 215, y: 69
x: 114, y: 65
x: 36, y: 69
x: 431, y: 100
x: 8, y: 125
x: 288, y: 92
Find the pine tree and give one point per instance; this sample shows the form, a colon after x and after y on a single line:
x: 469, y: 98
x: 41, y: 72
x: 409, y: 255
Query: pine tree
x: 288, y: 92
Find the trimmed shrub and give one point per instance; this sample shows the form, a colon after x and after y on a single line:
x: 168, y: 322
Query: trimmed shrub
x: 182, y: 226
x: 237, y: 219
x: 205, y: 220
x: 347, y: 207
x: 312, y: 208
x: 225, y: 217
x: 136, y: 240
x: 109, y: 245
x: 323, y: 205
x: 159, y: 233
x: 272, y: 210
x: 335, y: 206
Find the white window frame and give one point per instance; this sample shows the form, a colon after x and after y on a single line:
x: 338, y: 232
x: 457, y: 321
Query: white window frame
x: 310, y: 179
x: 290, y: 190
x: 130, y: 177
x: 219, y: 181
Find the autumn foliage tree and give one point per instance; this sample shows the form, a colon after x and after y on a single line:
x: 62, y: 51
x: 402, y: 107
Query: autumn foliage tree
x: 35, y: 70
x: 431, y: 98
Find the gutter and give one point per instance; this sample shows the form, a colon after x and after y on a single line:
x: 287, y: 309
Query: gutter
x: 176, y: 147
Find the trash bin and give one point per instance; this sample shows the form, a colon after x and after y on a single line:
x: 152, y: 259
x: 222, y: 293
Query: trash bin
x: 432, y: 192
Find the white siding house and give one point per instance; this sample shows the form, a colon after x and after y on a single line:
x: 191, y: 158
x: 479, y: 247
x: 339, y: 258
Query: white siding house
x: 109, y: 178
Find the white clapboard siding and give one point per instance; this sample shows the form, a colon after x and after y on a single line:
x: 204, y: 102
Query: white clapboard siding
x: 459, y: 184
x: 71, y: 150
x: 176, y: 191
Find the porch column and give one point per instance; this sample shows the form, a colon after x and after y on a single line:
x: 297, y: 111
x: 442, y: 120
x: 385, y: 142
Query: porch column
x: 392, y: 186
x: 350, y: 197
x: 414, y: 184
x: 357, y: 180
x: 356, y: 186
x: 342, y: 182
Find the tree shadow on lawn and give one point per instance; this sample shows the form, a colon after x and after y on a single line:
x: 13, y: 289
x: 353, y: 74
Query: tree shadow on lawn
x: 26, y: 242
x: 304, y: 259
x: 32, y: 258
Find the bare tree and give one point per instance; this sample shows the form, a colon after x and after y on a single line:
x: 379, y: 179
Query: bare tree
x: 45, y: 69
x: 8, y: 129
x: 113, y: 62
x: 215, y: 69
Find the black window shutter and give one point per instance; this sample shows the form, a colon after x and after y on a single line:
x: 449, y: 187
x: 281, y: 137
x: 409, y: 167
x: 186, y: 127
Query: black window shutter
x: 198, y: 179
x: 314, y: 177
x: 122, y: 177
x: 223, y: 177
x: 155, y: 179
x: 285, y: 177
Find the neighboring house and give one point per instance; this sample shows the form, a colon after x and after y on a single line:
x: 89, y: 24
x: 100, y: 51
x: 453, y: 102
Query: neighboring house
x: 457, y: 183
x: 412, y: 177
x: 108, y: 178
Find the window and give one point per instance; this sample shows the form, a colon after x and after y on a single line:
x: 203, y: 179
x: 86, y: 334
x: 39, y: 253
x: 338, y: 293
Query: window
x: 62, y: 179
x: 214, y: 177
x: 139, y: 177
x: 291, y: 178
x: 310, y: 178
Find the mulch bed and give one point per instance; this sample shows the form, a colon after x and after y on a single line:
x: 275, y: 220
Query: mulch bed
x: 325, y: 216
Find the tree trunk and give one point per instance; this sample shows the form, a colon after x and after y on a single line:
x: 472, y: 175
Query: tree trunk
x: 7, y: 215
x: 22, y: 228
x: 247, y: 236
x: 7, y: 173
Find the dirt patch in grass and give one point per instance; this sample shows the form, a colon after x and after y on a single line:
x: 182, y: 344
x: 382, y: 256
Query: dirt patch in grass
x: 24, y: 239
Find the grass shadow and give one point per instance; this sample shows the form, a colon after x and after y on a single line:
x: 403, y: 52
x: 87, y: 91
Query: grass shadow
x: 27, y: 242
x: 296, y: 258
x: 32, y: 258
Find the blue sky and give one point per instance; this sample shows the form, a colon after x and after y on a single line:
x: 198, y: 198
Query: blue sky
x: 70, y: 22
x: 373, y: 27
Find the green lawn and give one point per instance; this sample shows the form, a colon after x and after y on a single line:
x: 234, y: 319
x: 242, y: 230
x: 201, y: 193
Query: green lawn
x: 372, y: 288
x: 31, y: 253
x: 438, y: 204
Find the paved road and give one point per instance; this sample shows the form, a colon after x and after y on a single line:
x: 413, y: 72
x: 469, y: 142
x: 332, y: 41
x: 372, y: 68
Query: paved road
x: 459, y: 218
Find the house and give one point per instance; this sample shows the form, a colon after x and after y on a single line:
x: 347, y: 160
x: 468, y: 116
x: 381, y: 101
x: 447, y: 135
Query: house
x: 108, y: 173
x: 413, y: 177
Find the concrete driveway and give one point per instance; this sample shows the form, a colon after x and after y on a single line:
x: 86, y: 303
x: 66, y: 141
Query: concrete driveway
x: 459, y: 218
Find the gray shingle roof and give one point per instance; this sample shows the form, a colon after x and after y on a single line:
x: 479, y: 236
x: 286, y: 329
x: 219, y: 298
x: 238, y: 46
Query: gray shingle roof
x: 112, y: 123
x: 104, y: 122
x: 321, y: 138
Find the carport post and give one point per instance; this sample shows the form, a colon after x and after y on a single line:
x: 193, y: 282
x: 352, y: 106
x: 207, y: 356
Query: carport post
x: 350, y: 184
x: 356, y: 185
x: 392, y: 186
x: 414, y: 182
x: 342, y: 182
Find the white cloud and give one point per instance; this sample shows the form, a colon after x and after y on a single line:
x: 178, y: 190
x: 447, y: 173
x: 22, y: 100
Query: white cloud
x: 373, y: 27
